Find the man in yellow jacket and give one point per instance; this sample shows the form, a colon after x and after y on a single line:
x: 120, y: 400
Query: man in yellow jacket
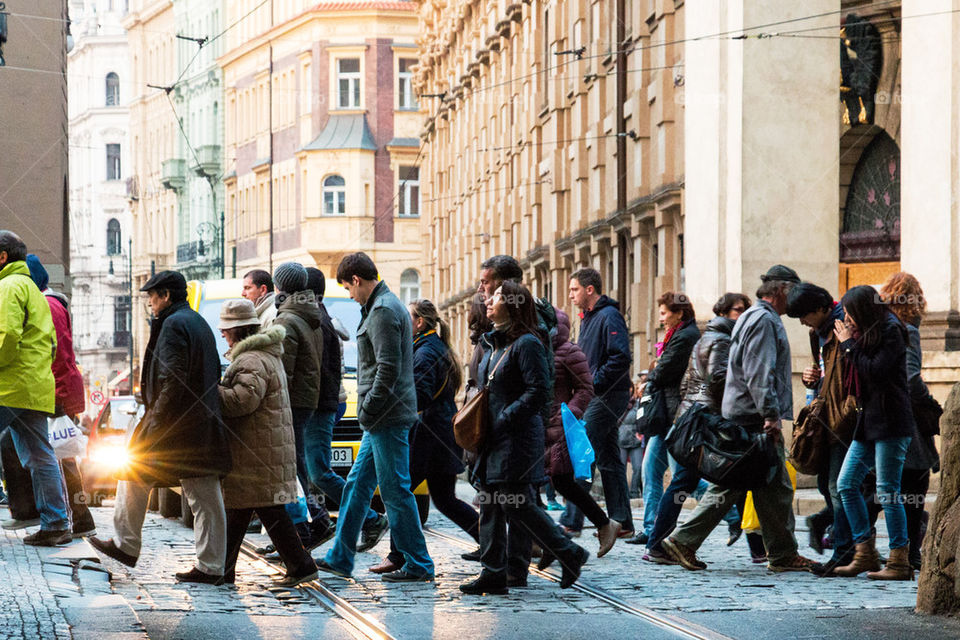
x: 28, y: 345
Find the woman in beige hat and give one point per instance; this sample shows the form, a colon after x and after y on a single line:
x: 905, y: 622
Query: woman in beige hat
x: 256, y: 410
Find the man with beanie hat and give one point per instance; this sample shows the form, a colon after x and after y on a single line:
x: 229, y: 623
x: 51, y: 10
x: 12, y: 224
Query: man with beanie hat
x: 181, y: 438
x: 70, y: 402
x: 28, y: 345
x: 318, y: 434
x: 297, y: 312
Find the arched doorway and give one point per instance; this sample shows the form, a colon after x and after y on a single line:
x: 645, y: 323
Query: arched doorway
x: 870, y: 229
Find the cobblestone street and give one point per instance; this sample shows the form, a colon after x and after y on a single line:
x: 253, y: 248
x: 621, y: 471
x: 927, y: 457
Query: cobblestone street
x: 255, y: 608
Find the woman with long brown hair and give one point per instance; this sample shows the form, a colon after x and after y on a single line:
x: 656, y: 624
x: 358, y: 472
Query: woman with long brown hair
x: 509, y: 467
x: 434, y: 454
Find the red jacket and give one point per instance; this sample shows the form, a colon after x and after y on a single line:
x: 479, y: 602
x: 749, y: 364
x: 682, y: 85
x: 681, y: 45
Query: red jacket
x: 70, y: 397
x: 574, y: 385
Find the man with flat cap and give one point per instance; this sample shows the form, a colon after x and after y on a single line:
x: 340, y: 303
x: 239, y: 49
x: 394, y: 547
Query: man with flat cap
x: 758, y: 395
x: 181, y: 439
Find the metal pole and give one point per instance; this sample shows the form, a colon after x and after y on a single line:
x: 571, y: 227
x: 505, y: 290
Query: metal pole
x: 130, y: 311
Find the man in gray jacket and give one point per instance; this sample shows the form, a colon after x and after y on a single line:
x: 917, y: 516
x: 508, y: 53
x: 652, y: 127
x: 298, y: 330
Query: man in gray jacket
x: 386, y: 410
x: 757, y: 396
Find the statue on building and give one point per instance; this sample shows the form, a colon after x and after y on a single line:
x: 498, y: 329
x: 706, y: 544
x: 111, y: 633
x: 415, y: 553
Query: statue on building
x: 3, y: 31
x: 861, y: 61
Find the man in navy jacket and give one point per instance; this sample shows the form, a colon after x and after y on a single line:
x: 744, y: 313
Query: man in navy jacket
x: 605, y: 340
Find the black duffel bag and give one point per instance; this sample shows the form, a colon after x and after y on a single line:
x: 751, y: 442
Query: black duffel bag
x: 652, y: 418
x: 723, y: 452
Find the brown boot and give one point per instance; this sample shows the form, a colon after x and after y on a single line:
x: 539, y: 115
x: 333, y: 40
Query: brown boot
x: 864, y: 559
x: 898, y: 566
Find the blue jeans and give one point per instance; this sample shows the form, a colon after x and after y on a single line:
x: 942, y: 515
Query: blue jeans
x: 29, y: 432
x: 384, y: 459
x: 886, y: 456
x: 602, y: 423
x: 842, y: 538
x: 317, y: 440
x: 655, y: 461
x: 685, y: 483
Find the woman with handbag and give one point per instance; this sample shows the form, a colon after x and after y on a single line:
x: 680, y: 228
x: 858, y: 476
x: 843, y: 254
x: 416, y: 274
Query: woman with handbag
x: 573, y: 384
x: 703, y: 383
x: 902, y: 292
x: 514, y: 383
x: 434, y: 455
x: 874, y: 342
x: 663, y: 388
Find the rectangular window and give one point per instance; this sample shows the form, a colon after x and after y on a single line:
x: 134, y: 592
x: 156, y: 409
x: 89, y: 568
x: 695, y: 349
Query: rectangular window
x: 121, y: 321
x: 348, y: 83
x: 409, y: 191
x: 113, y: 162
x: 405, y: 86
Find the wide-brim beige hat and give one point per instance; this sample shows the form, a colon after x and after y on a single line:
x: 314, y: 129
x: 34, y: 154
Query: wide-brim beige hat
x: 238, y: 313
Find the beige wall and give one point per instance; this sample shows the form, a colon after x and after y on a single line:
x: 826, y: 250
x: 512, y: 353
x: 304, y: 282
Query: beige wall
x: 34, y: 142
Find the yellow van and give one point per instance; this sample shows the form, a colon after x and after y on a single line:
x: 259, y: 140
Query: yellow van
x: 207, y: 296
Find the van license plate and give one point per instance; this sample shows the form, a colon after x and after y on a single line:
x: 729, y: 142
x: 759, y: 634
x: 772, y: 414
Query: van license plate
x: 342, y: 457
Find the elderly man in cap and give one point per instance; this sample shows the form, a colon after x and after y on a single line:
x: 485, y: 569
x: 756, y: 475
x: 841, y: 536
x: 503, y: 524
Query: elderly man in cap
x: 758, y: 395
x: 28, y: 344
x: 181, y: 439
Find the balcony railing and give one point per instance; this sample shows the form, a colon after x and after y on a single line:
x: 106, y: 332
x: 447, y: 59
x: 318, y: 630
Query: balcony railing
x: 186, y: 252
x: 209, y: 160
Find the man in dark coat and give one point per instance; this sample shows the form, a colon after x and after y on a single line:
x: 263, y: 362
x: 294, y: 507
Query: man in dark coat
x: 605, y: 340
x: 181, y: 439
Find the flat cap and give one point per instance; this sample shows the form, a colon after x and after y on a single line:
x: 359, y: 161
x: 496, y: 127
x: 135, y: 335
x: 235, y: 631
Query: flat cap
x: 780, y: 272
x: 172, y: 280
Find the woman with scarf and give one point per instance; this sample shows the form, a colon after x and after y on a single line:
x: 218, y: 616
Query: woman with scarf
x: 673, y: 355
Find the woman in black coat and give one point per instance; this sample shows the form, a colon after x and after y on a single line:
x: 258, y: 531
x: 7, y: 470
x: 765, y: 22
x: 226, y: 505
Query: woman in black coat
x: 434, y: 454
x: 509, y: 467
x: 676, y: 315
x: 874, y: 343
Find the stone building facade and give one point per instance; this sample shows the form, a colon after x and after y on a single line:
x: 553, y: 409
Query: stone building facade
x: 689, y: 145
x: 321, y: 136
x: 100, y: 87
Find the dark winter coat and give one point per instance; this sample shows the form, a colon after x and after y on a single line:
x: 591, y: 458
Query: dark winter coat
x: 882, y: 372
x: 573, y: 384
x: 71, y: 399
x: 605, y: 340
x: 513, y: 451
x: 256, y: 410
x: 432, y: 447
x: 706, y: 374
x: 299, y: 315
x: 386, y: 393
x: 922, y: 452
x: 181, y: 434
x: 330, y: 362
x: 671, y: 365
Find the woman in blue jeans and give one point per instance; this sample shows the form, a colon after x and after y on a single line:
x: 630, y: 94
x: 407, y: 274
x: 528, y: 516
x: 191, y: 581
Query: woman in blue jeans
x: 874, y: 342
x: 703, y: 383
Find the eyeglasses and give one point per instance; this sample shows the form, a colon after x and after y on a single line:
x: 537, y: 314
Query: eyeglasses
x: 738, y: 309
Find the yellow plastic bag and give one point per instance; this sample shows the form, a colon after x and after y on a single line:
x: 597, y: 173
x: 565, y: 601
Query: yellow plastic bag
x: 751, y: 523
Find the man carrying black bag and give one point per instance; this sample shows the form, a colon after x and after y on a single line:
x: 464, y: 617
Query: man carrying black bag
x: 757, y: 396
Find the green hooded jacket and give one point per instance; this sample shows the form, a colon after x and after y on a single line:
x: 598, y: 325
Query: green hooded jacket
x: 28, y: 342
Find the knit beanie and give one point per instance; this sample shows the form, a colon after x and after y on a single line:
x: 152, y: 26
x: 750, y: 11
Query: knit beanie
x: 290, y: 277
x: 316, y: 282
x: 37, y: 272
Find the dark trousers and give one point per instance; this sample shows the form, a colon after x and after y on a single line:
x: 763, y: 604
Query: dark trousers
x: 574, y: 493
x: 602, y: 419
x: 20, y: 487
x: 518, y: 504
x: 444, y: 496
x: 282, y: 533
x: 684, y: 483
x: 318, y: 513
x: 913, y: 488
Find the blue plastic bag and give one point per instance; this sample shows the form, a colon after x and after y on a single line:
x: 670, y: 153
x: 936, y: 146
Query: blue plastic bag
x: 296, y: 507
x: 578, y: 444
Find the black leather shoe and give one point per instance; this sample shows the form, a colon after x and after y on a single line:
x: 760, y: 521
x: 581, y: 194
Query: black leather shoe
x: 572, y: 567
x: 473, y: 556
x: 199, y: 577
x: 402, y: 576
x: 372, y: 533
x: 323, y: 566
x: 516, y: 581
x: 546, y: 560
x: 109, y: 549
x: 486, y: 583
x: 640, y: 538
x: 734, y: 534
x: 49, y: 538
